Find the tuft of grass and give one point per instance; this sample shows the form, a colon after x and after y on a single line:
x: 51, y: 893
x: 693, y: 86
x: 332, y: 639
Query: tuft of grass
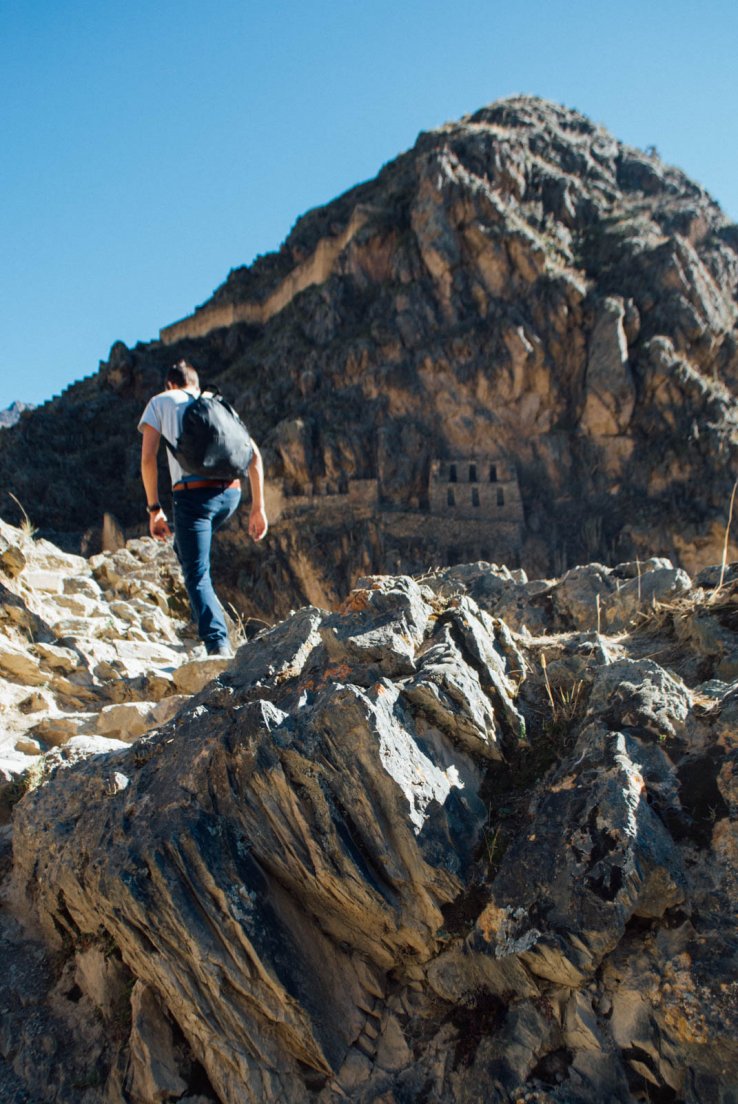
x: 567, y: 706
x: 27, y: 528
x: 726, y: 540
x: 238, y: 631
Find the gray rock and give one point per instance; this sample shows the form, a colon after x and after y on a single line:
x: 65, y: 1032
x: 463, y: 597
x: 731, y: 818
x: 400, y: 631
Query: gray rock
x: 639, y: 693
x: 595, y: 855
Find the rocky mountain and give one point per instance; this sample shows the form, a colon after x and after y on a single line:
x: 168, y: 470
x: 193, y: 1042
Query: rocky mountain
x: 469, y: 837
x: 12, y: 413
x: 517, y: 343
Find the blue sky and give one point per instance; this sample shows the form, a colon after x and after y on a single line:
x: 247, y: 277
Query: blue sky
x: 150, y: 147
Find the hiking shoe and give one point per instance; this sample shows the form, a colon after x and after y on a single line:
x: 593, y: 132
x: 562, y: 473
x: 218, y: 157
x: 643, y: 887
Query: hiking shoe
x: 224, y: 651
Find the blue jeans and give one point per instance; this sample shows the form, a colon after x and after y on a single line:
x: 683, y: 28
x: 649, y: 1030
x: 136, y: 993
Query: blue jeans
x: 197, y: 514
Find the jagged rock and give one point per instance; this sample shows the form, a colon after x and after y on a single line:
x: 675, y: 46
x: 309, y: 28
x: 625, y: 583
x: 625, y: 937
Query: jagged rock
x: 379, y: 626
x: 640, y: 694
x: 591, y: 596
x: 501, y: 866
x: 588, y: 597
x: 277, y: 655
x: 610, y: 392
x: 595, y: 856
x: 302, y: 870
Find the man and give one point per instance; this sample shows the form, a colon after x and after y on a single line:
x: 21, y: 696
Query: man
x: 200, y: 505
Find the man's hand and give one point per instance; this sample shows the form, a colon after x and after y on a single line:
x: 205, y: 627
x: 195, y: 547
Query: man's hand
x: 258, y: 523
x: 158, y: 526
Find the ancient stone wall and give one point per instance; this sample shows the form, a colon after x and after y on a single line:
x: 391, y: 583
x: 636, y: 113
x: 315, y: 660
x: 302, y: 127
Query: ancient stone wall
x: 359, y: 494
x: 481, y: 487
x: 315, y: 270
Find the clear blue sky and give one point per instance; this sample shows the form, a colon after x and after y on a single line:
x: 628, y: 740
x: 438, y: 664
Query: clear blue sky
x: 150, y: 146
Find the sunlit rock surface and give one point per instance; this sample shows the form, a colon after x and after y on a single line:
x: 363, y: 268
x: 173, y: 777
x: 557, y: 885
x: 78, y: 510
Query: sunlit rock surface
x: 405, y: 850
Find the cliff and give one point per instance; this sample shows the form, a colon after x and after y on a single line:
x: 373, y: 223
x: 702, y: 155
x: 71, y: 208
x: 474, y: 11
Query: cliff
x: 470, y: 836
x: 518, y: 292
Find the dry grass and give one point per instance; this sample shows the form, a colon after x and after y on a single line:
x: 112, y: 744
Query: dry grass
x: 27, y: 528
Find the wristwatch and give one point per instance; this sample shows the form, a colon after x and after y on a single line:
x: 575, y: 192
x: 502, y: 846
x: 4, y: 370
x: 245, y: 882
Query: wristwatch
x: 154, y: 507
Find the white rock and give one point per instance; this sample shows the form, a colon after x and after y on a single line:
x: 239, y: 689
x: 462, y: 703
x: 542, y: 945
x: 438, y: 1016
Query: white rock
x: 84, y: 585
x: 95, y: 745
x: 125, y: 611
x: 52, y: 558
x: 56, y: 657
x: 80, y: 605
x: 149, y: 654
x: 50, y: 582
x: 73, y: 626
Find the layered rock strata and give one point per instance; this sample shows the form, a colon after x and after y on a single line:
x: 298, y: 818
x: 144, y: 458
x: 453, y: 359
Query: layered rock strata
x: 468, y: 837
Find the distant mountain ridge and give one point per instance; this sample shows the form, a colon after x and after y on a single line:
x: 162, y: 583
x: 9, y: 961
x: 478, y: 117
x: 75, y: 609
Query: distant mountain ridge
x: 12, y: 413
x: 518, y: 294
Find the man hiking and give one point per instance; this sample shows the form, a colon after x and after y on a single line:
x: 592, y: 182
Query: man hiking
x: 201, y: 505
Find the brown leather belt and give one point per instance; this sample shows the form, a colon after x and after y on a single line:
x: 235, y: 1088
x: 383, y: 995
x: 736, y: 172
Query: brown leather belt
x: 198, y: 484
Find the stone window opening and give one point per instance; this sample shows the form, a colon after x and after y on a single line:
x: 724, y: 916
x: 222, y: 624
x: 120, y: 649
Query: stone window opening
x: 452, y: 475
x: 500, y: 497
x: 475, y: 496
x: 493, y: 473
x: 450, y: 497
x: 472, y: 473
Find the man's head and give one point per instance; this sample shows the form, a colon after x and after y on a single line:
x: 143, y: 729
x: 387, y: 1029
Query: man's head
x: 182, y: 374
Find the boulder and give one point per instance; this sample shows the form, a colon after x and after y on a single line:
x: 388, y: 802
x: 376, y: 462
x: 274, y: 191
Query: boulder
x: 191, y: 677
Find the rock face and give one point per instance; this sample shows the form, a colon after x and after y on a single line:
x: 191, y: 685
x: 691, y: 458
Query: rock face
x: 12, y: 413
x: 454, y: 841
x: 517, y: 343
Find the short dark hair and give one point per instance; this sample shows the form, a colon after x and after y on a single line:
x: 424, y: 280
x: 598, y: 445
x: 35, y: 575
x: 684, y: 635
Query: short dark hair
x: 182, y: 374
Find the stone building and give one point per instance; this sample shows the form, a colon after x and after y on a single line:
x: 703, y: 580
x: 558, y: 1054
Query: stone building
x: 482, y: 488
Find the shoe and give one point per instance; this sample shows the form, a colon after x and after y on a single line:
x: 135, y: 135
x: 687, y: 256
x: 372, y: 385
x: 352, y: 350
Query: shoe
x: 223, y: 651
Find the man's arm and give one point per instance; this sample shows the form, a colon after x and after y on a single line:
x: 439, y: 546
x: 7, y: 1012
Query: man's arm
x: 149, y: 448
x: 258, y: 523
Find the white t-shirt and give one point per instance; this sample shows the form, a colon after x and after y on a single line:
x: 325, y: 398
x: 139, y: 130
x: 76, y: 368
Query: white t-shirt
x: 164, y: 413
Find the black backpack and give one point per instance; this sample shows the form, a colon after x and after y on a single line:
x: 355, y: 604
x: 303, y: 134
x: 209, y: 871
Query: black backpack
x: 213, y: 441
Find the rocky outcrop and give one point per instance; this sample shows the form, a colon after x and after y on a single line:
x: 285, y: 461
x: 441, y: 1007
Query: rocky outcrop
x: 469, y: 836
x: 520, y: 287
x: 11, y: 415
x: 93, y: 653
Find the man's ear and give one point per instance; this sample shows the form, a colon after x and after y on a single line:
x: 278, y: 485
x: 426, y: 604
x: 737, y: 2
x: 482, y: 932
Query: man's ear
x: 169, y: 386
